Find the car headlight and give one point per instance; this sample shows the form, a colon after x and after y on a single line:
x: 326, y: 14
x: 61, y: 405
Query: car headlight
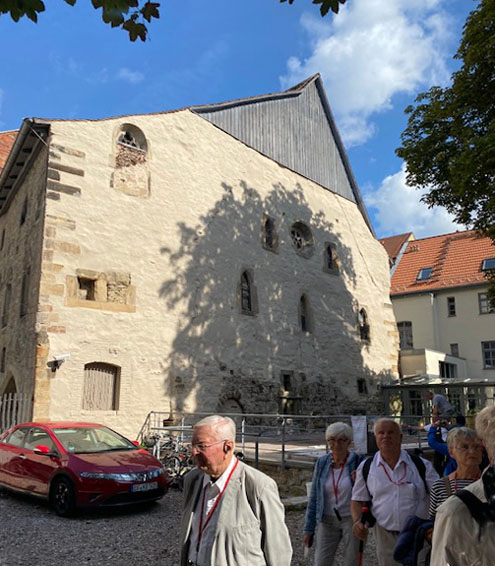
x: 131, y: 476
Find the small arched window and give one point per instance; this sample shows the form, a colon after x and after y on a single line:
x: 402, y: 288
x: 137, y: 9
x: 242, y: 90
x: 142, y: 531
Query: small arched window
x: 246, y: 293
x: 302, y: 238
x: 305, y: 319
x: 269, y: 236
x: 364, y: 327
x: 131, y: 148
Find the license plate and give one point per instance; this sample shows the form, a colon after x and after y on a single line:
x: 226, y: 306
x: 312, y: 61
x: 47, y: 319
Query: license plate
x: 144, y: 486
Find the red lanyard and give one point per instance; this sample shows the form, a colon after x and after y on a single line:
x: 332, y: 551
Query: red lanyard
x: 217, y: 500
x: 336, y: 485
x: 401, y: 480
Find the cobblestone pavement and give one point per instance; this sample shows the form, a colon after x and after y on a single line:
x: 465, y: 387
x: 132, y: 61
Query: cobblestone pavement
x: 32, y: 535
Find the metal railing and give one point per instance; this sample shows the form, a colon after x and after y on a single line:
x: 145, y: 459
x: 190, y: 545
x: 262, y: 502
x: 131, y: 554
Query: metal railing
x: 282, y: 439
x: 15, y: 408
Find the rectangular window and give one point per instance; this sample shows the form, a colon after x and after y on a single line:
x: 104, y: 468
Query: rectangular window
x: 454, y: 349
x: 2, y: 361
x: 25, y: 292
x: 416, y: 402
x: 484, y: 304
x: 488, y: 350
x: 86, y: 290
x: 405, y: 334
x: 6, y: 305
x: 451, y: 306
x: 424, y: 273
x: 447, y: 370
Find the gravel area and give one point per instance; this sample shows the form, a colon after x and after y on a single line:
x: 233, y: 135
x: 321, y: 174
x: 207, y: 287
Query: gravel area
x: 31, y: 534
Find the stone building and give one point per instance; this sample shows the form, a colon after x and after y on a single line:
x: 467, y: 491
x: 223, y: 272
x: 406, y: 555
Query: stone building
x: 214, y: 258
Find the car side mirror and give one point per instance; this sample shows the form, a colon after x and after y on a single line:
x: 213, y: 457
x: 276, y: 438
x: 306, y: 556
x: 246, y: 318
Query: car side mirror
x: 136, y: 443
x: 43, y: 450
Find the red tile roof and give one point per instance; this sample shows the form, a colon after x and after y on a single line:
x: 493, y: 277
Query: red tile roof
x: 6, y: 143
x: 455, y: 258
x: 393, y: 244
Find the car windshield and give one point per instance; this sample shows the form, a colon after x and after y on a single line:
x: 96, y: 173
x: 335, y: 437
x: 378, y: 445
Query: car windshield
x: 88, y: 440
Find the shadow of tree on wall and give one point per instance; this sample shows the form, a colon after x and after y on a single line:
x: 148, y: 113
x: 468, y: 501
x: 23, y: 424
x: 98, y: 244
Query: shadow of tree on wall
x: 221, y: 358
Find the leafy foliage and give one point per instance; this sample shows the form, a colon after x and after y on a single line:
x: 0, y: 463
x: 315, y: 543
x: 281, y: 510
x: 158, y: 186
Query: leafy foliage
x: 129, y: 15
x: 325, y: 5
x: 449, y: 142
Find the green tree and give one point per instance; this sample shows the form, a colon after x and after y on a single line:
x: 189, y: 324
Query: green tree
x: 449, y: 143
x: 130, y: 15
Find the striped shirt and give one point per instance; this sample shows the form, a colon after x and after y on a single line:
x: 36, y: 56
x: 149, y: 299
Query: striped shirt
x: 439, y: 494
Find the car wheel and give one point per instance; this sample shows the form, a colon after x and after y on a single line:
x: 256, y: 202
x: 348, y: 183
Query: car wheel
x: 63, y: 497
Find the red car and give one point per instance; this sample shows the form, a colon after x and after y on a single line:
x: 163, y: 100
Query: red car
x: 78, y: 465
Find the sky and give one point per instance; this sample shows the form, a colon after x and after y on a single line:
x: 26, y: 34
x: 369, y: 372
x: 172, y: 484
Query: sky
x: 375, y: 56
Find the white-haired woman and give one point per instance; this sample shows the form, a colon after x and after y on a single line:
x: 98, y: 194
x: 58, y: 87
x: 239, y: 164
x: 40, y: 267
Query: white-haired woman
x: 467, y: 450
x: 329, y: 505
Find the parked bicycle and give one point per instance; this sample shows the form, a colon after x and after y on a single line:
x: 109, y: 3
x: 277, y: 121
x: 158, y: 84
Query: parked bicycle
x: 174, y: 454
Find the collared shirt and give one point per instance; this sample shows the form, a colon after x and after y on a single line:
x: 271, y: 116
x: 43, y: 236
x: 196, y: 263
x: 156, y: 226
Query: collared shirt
x: 343, y: 489
x: 396, y: 493
x: 210, y: 490
x: 456, y: 536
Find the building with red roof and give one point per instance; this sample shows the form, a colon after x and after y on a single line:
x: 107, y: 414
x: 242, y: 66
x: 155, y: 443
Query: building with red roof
x: 446, y: 325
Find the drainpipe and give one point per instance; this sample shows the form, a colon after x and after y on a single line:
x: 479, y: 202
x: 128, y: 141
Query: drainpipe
x: 434, y: 317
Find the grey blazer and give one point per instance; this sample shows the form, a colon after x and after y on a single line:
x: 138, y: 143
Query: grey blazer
x: 250, y: 530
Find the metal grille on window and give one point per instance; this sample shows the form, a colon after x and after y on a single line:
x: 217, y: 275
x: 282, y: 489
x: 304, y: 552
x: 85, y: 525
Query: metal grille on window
x: 101, y: 385
x: 246, y: 299
x: 329, y: 257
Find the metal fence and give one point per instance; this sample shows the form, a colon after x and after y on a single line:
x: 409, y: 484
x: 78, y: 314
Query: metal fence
x: 281, y: 439
x: 15, y: 408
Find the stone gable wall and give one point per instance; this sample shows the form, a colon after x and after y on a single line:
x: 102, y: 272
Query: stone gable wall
x: 183, y: 239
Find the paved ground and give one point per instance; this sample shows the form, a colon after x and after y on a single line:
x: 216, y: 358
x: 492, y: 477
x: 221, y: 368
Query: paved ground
x: 32, y: 535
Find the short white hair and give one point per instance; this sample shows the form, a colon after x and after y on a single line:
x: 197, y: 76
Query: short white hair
x: 223, y: 428
x: 386, y: 420
x: 485, y: 427
x: 338, y: 429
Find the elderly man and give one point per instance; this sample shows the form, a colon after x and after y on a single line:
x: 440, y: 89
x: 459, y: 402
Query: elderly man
x: 232, y: 513
x: 459, y: 537
x: 442, y: 409
x: 396, y: 483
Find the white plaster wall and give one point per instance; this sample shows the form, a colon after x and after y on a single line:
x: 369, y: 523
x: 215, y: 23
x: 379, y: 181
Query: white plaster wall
x: 185, y: 247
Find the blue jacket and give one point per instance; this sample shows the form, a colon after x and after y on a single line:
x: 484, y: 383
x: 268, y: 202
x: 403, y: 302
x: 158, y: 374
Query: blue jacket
x: 411, y: 540
x: 442, y: 448
x: 316, y: 501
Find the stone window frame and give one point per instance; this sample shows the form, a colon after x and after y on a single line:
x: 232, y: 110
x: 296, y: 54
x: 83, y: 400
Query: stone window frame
x: 6, y: 304
x: 136, y: 138
x: 364, y: 327
x: 330, y: 253
x: 305, y: 314
x: 24, y: 303
x: 247, y: 277
x: 24, y: 212
x: 362, y: 386
x: 105, y: 368
x: 265, y: 234
x: 302, y: 239
x: 101, y: 282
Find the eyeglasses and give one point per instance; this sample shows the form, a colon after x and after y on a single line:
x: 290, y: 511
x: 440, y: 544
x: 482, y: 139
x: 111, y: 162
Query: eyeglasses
x: 466, y: 447
x: 203, y: 447
x: 338, y: 440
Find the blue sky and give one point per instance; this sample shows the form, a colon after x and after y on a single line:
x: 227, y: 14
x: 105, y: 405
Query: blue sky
x: 374, y: 57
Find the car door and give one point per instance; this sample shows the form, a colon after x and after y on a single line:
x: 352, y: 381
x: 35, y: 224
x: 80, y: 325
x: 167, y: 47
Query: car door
x: 39, y: 468
x: 12, y: 458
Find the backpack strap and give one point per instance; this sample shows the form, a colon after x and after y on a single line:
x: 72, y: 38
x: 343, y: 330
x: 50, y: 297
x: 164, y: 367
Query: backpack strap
x: 476, y: 507
x: 420, y: 465
x: 366, y: 472
x: 448, y: 489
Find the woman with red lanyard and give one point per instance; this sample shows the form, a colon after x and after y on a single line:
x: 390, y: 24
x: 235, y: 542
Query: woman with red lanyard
x: 328, y: 512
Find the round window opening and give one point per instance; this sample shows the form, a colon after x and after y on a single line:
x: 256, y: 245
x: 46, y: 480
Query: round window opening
x: 302, y: 238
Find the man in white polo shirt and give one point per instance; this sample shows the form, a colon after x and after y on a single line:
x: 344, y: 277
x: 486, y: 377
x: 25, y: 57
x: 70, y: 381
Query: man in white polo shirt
x: 232, y: 513
x: 395, y: 487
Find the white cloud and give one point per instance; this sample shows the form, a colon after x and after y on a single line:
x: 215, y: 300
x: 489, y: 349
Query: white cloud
x: 371, y: 51
x: 130, y: 76
x: 398, y: 209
